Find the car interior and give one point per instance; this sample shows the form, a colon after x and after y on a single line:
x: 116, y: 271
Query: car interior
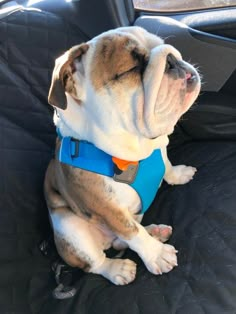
x: 33, y: 278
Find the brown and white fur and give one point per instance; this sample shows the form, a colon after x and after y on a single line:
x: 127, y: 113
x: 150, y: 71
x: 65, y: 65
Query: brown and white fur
x: 123, y: 91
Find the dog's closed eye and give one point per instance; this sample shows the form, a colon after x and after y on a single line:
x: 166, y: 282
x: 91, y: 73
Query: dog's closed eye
x: 136, y: 68
x: 141, y: 61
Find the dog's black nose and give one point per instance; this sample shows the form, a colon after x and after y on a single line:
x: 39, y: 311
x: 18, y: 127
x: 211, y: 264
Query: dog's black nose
x: 174, y: 67
x: 171, y: 62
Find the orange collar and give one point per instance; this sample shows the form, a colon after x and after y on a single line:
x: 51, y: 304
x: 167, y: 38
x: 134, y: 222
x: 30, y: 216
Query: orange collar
x: 123, y: 164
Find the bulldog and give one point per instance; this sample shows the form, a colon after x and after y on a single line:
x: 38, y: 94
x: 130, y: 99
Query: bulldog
x: 117, y: 98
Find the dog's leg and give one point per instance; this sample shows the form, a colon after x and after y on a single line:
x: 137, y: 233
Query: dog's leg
x: 159, y: 232
x: 79, y: 242
x: 83, y: 248
x: 158, y: 257
x: 180, y: 174
x: 80, y: 245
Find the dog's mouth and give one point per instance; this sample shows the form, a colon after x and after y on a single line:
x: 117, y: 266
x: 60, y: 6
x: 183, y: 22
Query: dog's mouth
x: 191, y: 81
x: 190, y: 78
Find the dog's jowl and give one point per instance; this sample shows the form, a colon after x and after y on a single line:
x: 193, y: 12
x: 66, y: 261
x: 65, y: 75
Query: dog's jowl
x: 117, y: 98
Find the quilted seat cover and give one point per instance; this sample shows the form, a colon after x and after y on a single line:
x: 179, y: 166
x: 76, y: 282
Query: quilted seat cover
x: 202, y: 212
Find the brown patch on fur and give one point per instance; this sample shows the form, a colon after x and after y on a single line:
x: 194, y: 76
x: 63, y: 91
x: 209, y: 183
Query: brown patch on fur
x: 69, y: 57
x: 52, y: 196
x: 69, y: 82
x: 117, y: 57
x: 97, y: 200
x: 77, y: 51
x: 88, y: 196
x: 62, y: 78
x: 73, y: 257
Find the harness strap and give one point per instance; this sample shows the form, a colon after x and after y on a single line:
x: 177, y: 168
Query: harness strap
x: 145, y: 177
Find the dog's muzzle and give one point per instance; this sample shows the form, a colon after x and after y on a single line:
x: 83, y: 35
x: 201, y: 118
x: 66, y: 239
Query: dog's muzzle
x: 177, y: 69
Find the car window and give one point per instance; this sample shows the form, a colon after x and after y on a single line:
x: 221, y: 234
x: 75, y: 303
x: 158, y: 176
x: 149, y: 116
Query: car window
x: 180, y: 5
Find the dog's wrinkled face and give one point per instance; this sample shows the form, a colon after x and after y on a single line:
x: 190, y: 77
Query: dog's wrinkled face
x: 125, y: 81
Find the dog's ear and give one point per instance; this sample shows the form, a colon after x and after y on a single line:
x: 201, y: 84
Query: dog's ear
x: 63, y: 70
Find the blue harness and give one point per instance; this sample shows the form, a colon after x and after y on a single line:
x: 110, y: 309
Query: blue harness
x: 145, y: 178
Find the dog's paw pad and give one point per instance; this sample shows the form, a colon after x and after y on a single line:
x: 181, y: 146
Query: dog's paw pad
x: 160, y: 232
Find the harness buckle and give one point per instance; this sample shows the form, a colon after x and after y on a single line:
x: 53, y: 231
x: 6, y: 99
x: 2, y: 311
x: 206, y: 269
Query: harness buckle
x: 126, y: 176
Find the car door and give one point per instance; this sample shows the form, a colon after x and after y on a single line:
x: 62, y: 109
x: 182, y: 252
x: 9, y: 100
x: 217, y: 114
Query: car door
x: 206, y: 38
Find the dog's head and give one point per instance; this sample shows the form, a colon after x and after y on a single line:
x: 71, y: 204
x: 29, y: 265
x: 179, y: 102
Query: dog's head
x: 124, y: 85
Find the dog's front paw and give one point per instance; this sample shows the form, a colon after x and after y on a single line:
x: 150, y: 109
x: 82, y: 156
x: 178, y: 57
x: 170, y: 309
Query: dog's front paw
x: 180, y: 174
x: 164, y: 259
